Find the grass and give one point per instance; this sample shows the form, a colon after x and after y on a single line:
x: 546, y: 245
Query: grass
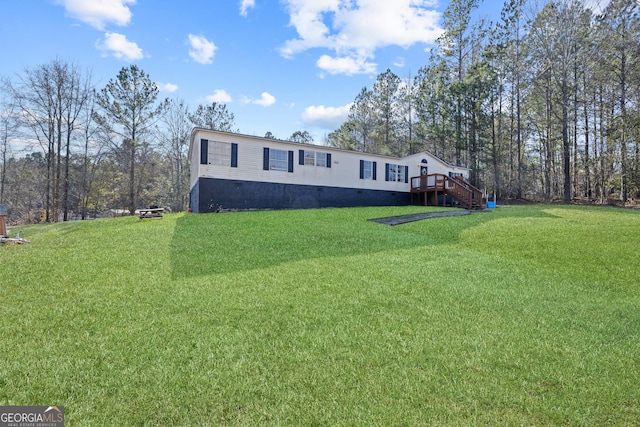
x: 523, y: 316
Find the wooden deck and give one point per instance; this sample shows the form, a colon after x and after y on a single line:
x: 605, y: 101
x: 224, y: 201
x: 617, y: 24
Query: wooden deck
x: 428, y: 188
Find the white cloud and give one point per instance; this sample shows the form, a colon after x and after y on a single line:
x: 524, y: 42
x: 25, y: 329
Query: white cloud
x: 219, y: 96
x: 346, y: 65
x: 266, y: 99
x: 202, y: 50
x: 325, y: 117
x: 245, y: 5
x: 399, y: 62
x: 167, y: 87
x: 98, y: 13
x: 355, y: 29
x: 120, y: 47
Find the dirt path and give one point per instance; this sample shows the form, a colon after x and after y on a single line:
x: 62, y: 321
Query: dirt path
x: 403, y: 219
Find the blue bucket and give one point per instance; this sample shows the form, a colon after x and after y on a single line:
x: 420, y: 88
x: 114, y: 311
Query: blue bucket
x: 491, y: 205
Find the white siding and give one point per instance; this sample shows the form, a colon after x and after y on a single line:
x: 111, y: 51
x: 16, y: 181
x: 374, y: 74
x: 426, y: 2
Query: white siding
x: 194, y: 162
x: 434, y: 164
x: 344, y: 170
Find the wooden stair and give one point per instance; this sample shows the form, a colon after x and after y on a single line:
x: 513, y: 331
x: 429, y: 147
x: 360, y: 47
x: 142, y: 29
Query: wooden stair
x: 429, y: 187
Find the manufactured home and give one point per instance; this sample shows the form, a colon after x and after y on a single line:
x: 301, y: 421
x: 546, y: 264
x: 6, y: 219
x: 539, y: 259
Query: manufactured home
x: 235, y: 171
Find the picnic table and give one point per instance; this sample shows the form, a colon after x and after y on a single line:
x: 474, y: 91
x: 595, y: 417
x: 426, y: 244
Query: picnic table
x: 150, y: 213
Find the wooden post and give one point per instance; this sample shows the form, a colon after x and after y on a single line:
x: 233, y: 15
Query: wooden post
x: 3, y: 227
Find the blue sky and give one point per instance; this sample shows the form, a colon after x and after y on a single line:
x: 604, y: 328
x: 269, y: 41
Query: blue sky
x: 279, y: 65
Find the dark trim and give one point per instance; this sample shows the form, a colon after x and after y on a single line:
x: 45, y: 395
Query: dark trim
x: 328, y: 160
x: 234, y: 155
x: 361, y: 169
x: 375, y: 170
x: 301, y: 157
x: 386, y: 171
x: 204, y: 152
x: 209, y: 194
x: 290, y: 169
x: 406, y: 174
x: 265, y: 159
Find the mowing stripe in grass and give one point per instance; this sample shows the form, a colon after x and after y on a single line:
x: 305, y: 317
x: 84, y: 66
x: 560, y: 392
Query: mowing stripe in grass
x: 526, y: 316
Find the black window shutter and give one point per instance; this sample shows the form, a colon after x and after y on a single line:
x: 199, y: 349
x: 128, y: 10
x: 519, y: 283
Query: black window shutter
x: 328, y: 160
x: 386, y: 171
x: 301, y: 157
x: 204, y: 151
x: 406, y: 174
x: 234, y: 155
x: 361, y: 169
x: 290, y: 161
x: 375, y: 167
x: 265, y: 159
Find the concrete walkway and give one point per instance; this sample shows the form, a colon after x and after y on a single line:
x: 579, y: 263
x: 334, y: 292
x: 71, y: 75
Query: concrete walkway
x: 403, y: 219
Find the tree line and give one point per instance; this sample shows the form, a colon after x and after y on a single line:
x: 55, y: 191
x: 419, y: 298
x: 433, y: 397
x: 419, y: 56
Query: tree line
x: 543, y: 104
x: 71, y: 151
x: 92, y: 152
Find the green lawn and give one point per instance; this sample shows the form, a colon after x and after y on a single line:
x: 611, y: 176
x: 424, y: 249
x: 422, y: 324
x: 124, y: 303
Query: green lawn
x: 522, y: 316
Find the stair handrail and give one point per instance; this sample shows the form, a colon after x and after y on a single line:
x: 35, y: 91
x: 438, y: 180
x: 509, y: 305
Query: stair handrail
x: 473, y: 190
x: 456, y: 187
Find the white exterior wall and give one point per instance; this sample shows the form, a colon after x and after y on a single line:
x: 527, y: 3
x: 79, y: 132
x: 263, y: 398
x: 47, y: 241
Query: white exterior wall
x: 434, y: 164
x: 344, y: 170
x: 194, y: 162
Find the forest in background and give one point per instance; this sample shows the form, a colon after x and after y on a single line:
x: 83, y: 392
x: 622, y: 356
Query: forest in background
x: 542, y: 105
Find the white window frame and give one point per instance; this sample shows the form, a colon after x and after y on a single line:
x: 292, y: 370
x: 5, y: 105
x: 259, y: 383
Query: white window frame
x: 321, y: 159
x: 309, y: 158
x: 315, y: 158
x: 393, y: 172
x: 219, y: 153
x: 402, y: 171
x: 396, y: 172
x: 278, y: 160
x: 367, y: 169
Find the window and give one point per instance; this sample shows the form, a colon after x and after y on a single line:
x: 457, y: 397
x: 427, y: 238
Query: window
x: 398, y: 173
x: 321, y: 159
x: 277, y: 160
x: 314, y: 158
x: 218, y: 153
x: 309, y: 158
x: 391, y: 172
x: 367, y: 169
x: 403, y: 173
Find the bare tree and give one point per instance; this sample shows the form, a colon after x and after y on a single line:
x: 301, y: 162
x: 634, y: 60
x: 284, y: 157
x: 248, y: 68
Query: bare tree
x: 175, y: 141
x: 51, y: 97
x: 8, y: 129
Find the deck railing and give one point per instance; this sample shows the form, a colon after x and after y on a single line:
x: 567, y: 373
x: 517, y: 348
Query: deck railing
x: 466, y: 194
